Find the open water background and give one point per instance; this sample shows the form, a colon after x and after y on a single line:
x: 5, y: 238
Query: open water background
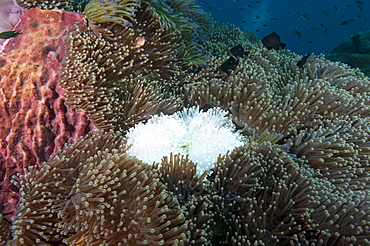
x: 313, y: 26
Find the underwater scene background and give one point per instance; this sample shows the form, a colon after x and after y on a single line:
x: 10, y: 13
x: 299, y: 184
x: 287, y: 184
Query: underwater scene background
x: 177, y: 122
x: 307, y: 25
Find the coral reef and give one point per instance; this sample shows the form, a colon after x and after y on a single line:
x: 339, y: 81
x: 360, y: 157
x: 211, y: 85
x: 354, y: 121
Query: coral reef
x: 317, y: 115
x: 34, y: 121
x: 301, y: 175
x: 93, y: 192
x: 354, y: 51
x: 321, y: 112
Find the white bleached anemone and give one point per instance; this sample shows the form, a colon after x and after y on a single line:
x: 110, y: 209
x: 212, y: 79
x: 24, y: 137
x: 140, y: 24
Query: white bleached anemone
x: 201, y: 135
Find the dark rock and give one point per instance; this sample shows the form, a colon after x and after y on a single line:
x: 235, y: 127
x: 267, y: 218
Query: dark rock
x: 354, y: 51
x: 364, y: 44
x: 359, y: 60
x: 346, y: 46
x: 356, y: 40
x: 366, y: 70
x: 340, y: 57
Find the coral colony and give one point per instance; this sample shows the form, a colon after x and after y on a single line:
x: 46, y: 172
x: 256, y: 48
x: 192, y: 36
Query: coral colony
x: 128, y: 122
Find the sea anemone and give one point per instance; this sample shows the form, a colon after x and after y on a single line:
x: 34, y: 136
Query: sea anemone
x: 270, y: 154
x: 111, y: 76
x: 201, y: 135
x: 94, y: 193
x: 117, y: 11
x: 68, y: 5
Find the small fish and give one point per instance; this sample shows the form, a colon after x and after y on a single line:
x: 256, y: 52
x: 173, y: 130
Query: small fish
x: 305, y: 16
x: 359, y: 2
x: 9, y: 34
x: 238, y: 51
x: 335, y: 7
x: 298, y: 34
x: 229, y: 64
x: 272, y: 41
x: 242, y: 9
x: 303, y: 61
x: 344, y: 23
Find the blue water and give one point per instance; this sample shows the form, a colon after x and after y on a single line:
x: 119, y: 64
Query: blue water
x: 306, y: 26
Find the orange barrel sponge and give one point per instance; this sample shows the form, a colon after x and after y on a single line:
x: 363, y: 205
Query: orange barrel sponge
x: 34, y: 121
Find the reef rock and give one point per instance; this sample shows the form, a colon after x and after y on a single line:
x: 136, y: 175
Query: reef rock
x: 362, y: 42
x: 34, y: 122
x: 355, y: 51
